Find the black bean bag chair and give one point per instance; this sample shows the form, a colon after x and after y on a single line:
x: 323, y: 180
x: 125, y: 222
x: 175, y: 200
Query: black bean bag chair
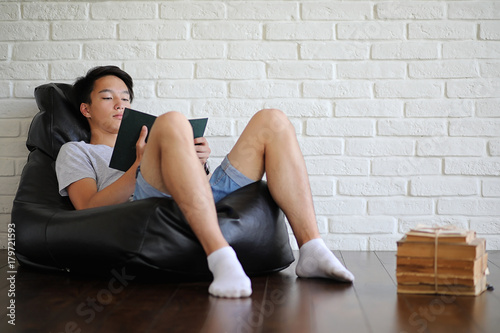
x: 147, y: 237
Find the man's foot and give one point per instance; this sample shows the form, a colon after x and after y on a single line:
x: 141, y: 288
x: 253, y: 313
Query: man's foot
x: 317, y: 261
x: 230, y: 279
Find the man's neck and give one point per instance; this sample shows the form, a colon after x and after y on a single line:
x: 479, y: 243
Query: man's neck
x: 97, y: 138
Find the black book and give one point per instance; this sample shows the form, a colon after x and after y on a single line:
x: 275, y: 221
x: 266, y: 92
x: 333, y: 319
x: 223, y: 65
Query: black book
x: 130, y: 128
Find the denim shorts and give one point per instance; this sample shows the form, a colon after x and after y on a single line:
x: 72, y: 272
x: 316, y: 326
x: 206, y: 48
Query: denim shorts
x: 225, y: 179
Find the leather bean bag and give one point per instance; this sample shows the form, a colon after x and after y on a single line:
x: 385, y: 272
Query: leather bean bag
x: 148, y: 237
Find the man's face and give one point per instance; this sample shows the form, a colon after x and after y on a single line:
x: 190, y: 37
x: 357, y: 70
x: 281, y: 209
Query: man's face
x: 109, y: 98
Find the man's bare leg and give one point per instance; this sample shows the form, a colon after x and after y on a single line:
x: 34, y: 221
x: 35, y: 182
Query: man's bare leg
x: 269, y: 144
x: 171, y: 165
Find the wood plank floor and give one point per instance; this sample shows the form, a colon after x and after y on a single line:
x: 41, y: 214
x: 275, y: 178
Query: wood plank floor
x: 54, y: 302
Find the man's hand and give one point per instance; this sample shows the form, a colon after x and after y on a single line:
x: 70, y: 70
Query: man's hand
x: 202, y: 149
x: 140, y: 145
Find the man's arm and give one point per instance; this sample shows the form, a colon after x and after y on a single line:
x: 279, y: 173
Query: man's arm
x: 83, y: 193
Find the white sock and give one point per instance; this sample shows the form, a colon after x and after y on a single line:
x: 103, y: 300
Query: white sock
x: 230, y: 279
x: 317, y: 261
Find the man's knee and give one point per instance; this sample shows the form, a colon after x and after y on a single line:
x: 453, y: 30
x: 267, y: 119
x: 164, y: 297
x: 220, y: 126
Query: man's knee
x: 274, y: 119
x: 172, y: 123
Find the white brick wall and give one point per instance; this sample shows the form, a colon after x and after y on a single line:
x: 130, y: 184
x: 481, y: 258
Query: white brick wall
x: 396, y: 103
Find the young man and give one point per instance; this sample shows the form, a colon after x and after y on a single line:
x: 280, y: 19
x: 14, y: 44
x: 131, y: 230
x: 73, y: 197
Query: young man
x: 171, y: 164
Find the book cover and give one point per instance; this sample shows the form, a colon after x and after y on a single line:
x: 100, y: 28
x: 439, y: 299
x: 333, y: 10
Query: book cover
x: 130, y: 128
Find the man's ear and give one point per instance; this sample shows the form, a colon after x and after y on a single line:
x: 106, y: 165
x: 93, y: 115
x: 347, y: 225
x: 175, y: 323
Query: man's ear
x: 84, y: 109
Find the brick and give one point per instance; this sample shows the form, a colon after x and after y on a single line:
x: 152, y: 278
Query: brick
x: 471, y: 50
x: 369, y: 108
x: 337, y: 166
x: 160, y: 69
x: 140, y: 30
x: 479, y: 88
x: 334, y: 51
x: 340, y: 127
x: 337, y: 206
x: 371, y: 186
x: 485, y: 225
x: 443, y: 186
x: 322, y: 223
x: 368, y: 70
x: 83, y: 30
x: 336, y: 11
x: 472, y: 166
x: 5, y: 90
x: 9, y: 185
x: 26, y: 89
x: 494, y: 147
x: 405, y: 166
x: 183, y: 50
x: 220, y: 148
x: 192, y: 11
x: 259, y: 51
x: 474, y: 10
x: 13, y: 147
x: 405, y: 50
x: 407, y: 223
x: 337, y: 89
x: 46, y: 51
x: 9, y: 11
x: 144, y: 89
x: 54, y: 11
x: 4, y: 52
x: 29, y: 31
x: 370, y: 30
x: 443, y: 69
x: 383, y: 242
x: 474, y: 127
x: 24, y: 71
x: 346, y: 243
x: 301, y: 107
x: 400, y: 206
x: 412, y: 127
x: 236, y: 70
x: 264, y: 89
x: 299, y: 31
x: 320, y: 146
x: 488, y: 108
x: 159, y: 106
x: 445, y: 146
x: 263, y: 10
x: 409, y: 89
x: 119, y: 50
x: 322, y: 187
x: 17, y: 108
x: 227, y: 31
x: 489, y: 68
x: 191, y: 89
x: 219, y: 127
x: 223, y: 107
x: 469, y: 206
x: 379, y: 147
x: 410, y: 10
x: 489, y: 30
x: 491, y: 187
x: 123, y: 10
x: 439, y: 108
x: 362, y: 225
x: 6, y: 204
x: 7, y: 167
x: 70, y: 70
x: 442, y: 30
x: 312, y: 70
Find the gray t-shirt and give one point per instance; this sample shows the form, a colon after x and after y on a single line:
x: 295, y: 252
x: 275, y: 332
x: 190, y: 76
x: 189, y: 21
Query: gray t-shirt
x: 79, y: 160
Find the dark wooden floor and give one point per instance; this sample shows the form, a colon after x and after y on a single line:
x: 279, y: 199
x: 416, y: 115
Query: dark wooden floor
x: 52, y: 302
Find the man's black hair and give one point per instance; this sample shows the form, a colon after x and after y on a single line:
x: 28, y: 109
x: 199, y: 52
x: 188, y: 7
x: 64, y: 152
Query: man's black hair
x: 85, y: 84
